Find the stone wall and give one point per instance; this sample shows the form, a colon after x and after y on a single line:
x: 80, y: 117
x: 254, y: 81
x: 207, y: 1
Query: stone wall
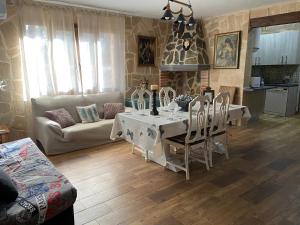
x: 191, y: 83
x: 175, y: 54
x: 136, y: 26
x: 12, y: 108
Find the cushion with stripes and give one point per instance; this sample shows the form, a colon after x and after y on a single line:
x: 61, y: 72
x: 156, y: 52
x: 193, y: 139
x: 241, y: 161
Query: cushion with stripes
x: 88, y: 114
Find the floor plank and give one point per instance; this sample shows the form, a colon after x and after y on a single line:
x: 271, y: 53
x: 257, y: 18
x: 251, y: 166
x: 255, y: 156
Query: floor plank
x: 258, y: 185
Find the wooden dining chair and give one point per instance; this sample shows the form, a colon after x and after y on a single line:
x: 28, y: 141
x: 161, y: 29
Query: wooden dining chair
x: 194, y: 142
x: 218, y: 125
x: 138, y: 100
x: 138, y: 103
x: 166, y: 95
x: 230, y: 90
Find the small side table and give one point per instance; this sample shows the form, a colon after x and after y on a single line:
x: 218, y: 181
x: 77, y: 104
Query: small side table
x: 4, y: 134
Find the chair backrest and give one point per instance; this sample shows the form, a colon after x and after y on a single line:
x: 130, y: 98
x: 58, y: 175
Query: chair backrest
x: 230, y: 90
x: 198, y: 119
x: 166, y: 95
x: 140, y: 103
x: 220, y: 113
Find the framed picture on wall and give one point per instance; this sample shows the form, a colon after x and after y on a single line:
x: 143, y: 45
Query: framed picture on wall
x: 210, y: 94
x: 227, y: 50
x: 146, y: 51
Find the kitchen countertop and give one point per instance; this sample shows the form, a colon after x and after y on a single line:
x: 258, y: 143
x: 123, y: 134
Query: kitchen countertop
x: 268, y: 86
x: 262, y: 88
x: 283, y: 85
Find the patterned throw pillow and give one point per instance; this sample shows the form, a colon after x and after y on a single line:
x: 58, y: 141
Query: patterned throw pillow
x: 61, y: 116
x: 88, y: 114
x: 112, y: 109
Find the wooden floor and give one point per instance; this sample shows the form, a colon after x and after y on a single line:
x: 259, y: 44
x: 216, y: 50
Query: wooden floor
x: 259, y: 184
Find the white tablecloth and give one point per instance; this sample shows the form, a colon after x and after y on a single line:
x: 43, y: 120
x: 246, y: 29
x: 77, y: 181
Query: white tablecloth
x: 147, y: 131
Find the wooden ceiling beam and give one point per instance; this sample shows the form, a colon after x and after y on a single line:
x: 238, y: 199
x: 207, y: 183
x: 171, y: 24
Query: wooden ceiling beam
x: 286, y: 18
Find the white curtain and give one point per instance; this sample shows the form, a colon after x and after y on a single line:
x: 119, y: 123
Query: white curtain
x: 102, y: 51
x: 49, y: 51
x: 49, y: 48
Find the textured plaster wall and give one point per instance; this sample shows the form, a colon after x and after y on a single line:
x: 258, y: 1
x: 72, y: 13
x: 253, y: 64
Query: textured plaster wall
x: 12, y: 108
x: 223, y: 24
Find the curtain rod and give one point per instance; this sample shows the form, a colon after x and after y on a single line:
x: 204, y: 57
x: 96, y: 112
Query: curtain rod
x: 62, y: 3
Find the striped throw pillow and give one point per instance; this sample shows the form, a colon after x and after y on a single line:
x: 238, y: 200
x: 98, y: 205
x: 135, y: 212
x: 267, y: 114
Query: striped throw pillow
x: 88, y: 114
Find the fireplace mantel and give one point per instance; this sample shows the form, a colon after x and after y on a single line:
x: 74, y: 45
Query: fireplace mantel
x: 184, y: 68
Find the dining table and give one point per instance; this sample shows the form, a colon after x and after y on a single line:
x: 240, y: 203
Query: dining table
x: 147, y: 132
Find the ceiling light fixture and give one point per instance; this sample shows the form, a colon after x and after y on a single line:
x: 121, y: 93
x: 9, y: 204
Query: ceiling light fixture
x: 183, y: 21
x: 168, y: 15
x: 3, y: 85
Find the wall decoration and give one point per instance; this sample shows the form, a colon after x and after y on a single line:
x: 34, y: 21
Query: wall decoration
x: 227, y: 50
x: 146, y: 51
x: 210, y: 94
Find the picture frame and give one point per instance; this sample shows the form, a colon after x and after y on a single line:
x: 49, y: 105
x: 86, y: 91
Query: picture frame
x: 146, y: 51
x: 227, y: 50
x: 210, y: 94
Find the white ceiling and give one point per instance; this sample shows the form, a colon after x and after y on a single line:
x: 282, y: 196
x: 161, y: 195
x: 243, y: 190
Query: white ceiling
x: 153, y: 8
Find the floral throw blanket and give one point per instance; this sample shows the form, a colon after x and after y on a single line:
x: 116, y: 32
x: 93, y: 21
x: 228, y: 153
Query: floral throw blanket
x: 43, y: 191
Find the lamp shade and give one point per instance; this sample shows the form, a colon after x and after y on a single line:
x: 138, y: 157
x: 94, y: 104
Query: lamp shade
x: 181, y: 28
x: 180, y: 18
x: 3, y: 85
x: 186, y: 35
x: 191, y: 21
x: 168, y: 15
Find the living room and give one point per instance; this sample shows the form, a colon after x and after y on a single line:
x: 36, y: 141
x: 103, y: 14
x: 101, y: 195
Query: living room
x: 147, y: 113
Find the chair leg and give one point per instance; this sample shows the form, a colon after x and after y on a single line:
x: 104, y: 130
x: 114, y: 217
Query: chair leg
x: 209, y: 148
x: 226, y: 146
x: 186, y: 159
x: 206, y: 159
x: 132, y: 148
x: 146, y: 156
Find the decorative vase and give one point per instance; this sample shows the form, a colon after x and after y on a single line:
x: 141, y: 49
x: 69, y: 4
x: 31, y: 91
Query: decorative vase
x: 183, y: 101
x: 184, y: 105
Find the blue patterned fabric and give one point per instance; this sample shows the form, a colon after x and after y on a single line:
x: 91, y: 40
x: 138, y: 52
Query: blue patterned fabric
x: 43, y: 191
x: 88, y: 114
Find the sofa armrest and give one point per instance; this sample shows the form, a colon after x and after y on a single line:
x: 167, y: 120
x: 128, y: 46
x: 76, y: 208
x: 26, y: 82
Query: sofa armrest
x: 44, y: 124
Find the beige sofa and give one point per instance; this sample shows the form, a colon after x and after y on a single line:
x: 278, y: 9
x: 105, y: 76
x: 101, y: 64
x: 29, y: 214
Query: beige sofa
x: 54, y: 139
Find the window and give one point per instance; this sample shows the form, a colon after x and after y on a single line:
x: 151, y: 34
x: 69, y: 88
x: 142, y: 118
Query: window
x: 62, y: 58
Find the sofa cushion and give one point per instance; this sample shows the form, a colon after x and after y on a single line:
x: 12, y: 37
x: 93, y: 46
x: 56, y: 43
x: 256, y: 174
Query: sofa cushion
x: 112, y: 109
x: 69, y: 102
x: 8, y: 190
x: 88, y: 131
x: 61, y: 116
x: 88, y: 114
x: 102, y: 98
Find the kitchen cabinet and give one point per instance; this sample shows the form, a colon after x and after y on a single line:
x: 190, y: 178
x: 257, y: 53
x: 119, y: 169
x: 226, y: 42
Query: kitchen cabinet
x: 287, y: 48
x: 266, y: 55
x: 278, y: 48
